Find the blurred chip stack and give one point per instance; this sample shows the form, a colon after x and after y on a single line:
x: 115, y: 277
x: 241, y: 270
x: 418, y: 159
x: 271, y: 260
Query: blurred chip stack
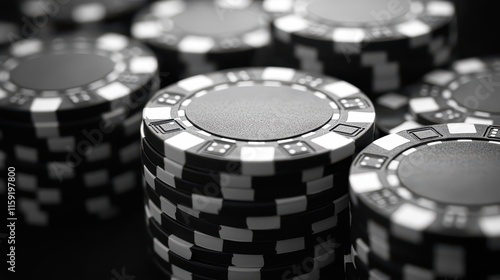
x: 468, y: 92
x: 246, y: 173
x: 70, y: 112
x: 200, y: 36
x: 425, y: 205
x: 376, y: 45
x: 50, y: 17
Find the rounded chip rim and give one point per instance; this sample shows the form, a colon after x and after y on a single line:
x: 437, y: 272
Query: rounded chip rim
x: 350, y: 109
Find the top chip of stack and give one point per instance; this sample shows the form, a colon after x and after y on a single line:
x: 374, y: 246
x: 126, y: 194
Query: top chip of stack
x: 40, y: 85
x: 376, y: 45
x: 195, y: 37
x: 260, y: 121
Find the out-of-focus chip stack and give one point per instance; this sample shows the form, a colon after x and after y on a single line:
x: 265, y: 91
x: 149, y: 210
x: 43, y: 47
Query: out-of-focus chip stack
x: 425, y: 205
x: 70, y: 112
x: 468, y: 92
x: 246, y: 173
x: 50, y: 17
x: 376, y: 45
x: 199, y: 36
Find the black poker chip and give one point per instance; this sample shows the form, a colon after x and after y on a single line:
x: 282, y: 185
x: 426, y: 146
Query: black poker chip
x: 203, y: 131
x: 349, y: 42
x: 467, y: 92
x: 409, y: 219
x: 45, y: 86
x: 307, y: 179
x: 197, y: 37
x: 247, y: 229
x: 393, y: 113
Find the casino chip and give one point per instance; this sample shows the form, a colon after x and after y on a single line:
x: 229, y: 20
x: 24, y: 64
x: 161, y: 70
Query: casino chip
x: 113, y: 71
x: 199, y: 36
x: 246, y: 172
x: 72, y: 129
x: 226, y: 120
x: 80, y: 11
x: 467, y: 92
x: 393, y: 113
x: 413, y: 212
x: 363, y: 42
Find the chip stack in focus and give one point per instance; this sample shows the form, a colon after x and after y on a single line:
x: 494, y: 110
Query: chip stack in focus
x: 468, y: 91
x: 70, y: 113
x: 376, y: 45
x: 425, y: 204
x: 200, y: 36
x: 246, y: 173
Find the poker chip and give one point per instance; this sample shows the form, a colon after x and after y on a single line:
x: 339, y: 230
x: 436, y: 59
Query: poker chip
x: 253, y: 228
x: 171, y: 270
x: 317, y: 120
x: 75, y: 151
x: 236, y: 272
x: 80, y: 11
x: 313, y: 187
x: 196, y: 37
x: 430, y: 259
x: 221, y: 180
x: 199, y: 202
x: 113, y: 71
x: 247, y: 170
x: 467, y: 92
x: 368, y: 264
x: 401, y: 176
x: 195, y: 252
x: 364, y: 43
x: 70, y: 112
x: 393, y: 113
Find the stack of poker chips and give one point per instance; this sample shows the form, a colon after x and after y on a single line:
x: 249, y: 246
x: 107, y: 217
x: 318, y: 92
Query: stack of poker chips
x: 376, y: 45
x: 199, y: 36
x: 425, y: 204
x: 466, y: 92
x: 246, y: 173
x: 70, y: 113
x: 52, y: 17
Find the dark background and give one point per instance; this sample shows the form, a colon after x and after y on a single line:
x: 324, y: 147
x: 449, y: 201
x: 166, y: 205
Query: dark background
x: 106, y: 251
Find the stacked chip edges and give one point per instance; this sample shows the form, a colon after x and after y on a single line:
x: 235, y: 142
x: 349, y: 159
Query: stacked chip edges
x: 377, y: 46
x: 425, y: 205
x: 70, y: 113
x: 225, y: 200
x: 199, y: 36
x: 465, y: 92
